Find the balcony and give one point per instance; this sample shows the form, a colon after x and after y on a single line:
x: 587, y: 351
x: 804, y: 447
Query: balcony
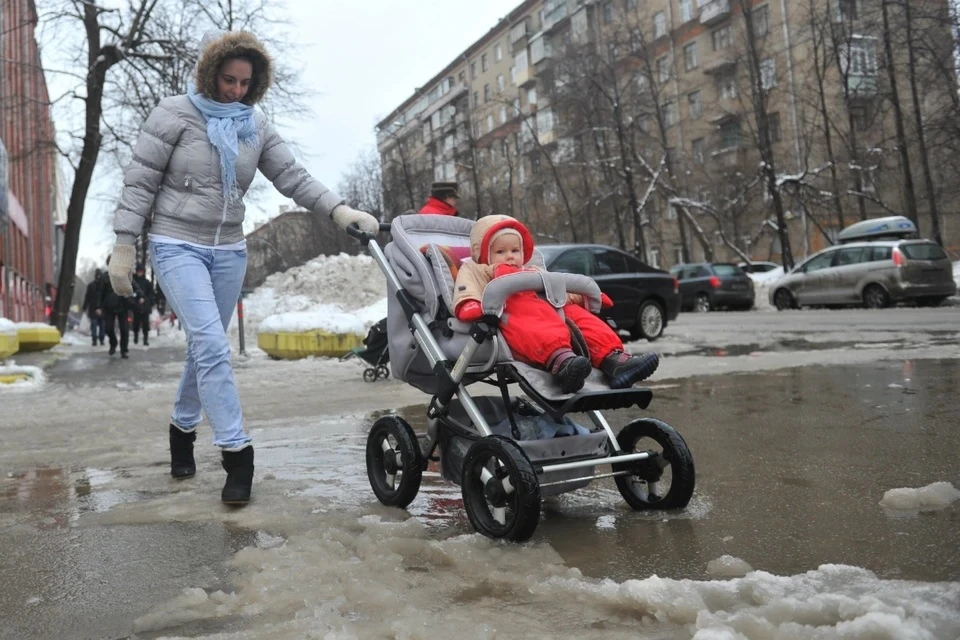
x: 862, y: 87
x: 525, y: 77
x: 518, y: 32
x: 555, y: 15
x: 456, y: 92
x: 714, y: 11
x: 547, y: 137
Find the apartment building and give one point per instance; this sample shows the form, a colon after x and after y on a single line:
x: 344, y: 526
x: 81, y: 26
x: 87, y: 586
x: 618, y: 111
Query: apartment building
x: 682, y: 129
x: 30, y: 235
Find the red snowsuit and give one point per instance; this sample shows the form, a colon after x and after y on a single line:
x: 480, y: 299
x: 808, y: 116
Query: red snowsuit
x: 530, y: 325
x: 439, y: 207
x: 534, y: 330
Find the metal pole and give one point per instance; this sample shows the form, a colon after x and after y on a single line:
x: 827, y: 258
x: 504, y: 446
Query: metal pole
x: 243, y: 350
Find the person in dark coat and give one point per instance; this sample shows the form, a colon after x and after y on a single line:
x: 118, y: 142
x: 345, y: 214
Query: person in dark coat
x: 142, y: 306
x: 91, y: 306
x: 115, y: 309
x: 443, y: 199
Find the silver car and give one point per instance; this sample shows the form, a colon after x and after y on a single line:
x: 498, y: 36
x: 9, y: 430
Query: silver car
x: 874, y: 274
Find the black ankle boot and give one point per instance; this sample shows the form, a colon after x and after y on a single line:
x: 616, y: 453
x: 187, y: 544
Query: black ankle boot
x: 239, y: 468
x: 181, y: 453
x: 572, y: 373
x: 623, y: 369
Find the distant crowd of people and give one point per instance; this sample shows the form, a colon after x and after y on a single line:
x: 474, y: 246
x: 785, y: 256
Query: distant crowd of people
x: 112, y: 316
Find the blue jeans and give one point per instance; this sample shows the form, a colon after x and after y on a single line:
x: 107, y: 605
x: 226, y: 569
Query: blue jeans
x: 202, y: 286
x: 98, y: 328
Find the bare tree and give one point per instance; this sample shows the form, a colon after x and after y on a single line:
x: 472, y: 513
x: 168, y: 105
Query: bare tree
x: 362, y: 183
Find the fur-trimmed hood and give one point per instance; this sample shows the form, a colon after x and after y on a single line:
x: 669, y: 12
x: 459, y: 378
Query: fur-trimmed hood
x: 218, y: 46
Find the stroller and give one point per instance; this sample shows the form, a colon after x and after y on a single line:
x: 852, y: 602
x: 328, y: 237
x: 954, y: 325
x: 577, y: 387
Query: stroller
x: 374, y: 352
x: 504, y: 452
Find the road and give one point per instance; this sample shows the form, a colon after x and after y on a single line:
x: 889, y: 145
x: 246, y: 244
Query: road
x: 829, y: 410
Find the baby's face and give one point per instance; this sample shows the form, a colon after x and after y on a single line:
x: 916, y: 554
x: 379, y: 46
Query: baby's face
x: 507, y: 249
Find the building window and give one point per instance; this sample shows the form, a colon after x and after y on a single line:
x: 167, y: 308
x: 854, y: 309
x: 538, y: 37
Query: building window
x: 503, y: 115
x: 663, y: 69
x: 473, y: 70
x: 489, y: 122
x: 461, y: 77
x: 690, y: 56
x: 768, y: 73
x: 858, y: 114
x: 699, y: 151
x: 678, y: 255
x: 727, y: 87
x: 500, y: 82
x: 498, y: 53
x: 476, y: 98
x: 847, y: 10
x: 686, y: 10
x: 670, y: 114
x: 761, y: 20
x: 721, y: 38
x: 483, y: 63
x: 486, y: 93
x: 532, y: 96
x: 608, y: 12
x: 696, y: 105
x: 773, y: 121
x: 672, y: 213
x: 729, y: 135
x: 659, y: 25
x: 654, y: 257
x: 860, y: 58
x: 631, y: 5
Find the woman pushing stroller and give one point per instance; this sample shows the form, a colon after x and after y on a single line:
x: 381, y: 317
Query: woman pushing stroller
x: 536, y: 334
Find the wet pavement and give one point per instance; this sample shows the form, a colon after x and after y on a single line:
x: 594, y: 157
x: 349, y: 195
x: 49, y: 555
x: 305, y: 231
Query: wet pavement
x: 791, y: 467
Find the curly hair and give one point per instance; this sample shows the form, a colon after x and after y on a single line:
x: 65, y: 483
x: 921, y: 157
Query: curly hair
x: 232, y: 45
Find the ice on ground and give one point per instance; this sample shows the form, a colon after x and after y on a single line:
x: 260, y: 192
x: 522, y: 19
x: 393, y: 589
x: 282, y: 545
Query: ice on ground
x: 932, y: 497
x: 33, y: 381
x: 341, y: 294
x: 727, y: 566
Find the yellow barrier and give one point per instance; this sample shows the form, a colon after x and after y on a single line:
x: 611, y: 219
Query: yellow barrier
x: 293, y: 346
x: 10, y: 378
x: 9, y: 345
x: 37, y: 338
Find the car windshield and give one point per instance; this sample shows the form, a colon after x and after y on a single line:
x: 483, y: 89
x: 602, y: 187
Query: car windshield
x: 727, y: 270
x: 923, y: 251
x: 548, y: 252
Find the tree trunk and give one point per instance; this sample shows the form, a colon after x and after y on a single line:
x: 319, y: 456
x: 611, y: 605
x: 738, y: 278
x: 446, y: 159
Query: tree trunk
x: 910, y: 198
x: 763, y: 133
x: 97, y: 65
x: 639, y: 241
x: 921, y: 136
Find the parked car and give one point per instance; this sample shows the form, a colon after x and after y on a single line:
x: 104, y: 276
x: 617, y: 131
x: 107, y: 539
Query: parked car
x: 714, y: 285
x: 645, y: 299
x: 879, y: 263
x: 758, y: 267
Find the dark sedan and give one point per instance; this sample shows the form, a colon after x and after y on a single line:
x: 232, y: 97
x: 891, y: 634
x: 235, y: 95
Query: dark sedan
x: 644, y: 298
x: 707, y: 286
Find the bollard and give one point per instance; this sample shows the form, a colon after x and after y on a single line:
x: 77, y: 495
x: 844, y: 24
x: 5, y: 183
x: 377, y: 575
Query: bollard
x: 243, y: 350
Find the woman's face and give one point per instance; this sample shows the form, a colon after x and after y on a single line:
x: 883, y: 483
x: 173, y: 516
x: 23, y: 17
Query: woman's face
x: 233, y: 80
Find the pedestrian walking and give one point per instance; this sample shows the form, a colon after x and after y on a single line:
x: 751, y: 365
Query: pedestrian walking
x: 116, y: 309
x: 443, y: 199
x: 142, y: 306
x: 91, y: 306
x: 194, y: 160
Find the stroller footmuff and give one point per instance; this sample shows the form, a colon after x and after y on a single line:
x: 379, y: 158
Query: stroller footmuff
x: 505, y: 452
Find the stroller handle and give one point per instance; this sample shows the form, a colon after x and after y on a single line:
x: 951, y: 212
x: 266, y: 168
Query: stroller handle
x: 354, y: 232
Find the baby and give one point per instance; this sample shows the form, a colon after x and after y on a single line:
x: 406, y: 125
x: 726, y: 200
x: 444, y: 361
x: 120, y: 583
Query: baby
x: 531, y: 327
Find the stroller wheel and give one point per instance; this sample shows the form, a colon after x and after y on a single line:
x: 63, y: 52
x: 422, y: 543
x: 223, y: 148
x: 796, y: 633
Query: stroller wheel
x: 663, y: 481
x: 369, y: 374
x: 394, y: 461
x: 383, y: 372
x: 500, y: 490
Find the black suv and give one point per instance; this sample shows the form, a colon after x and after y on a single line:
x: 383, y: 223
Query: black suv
x: 644, y: 298
x: 712, y: 285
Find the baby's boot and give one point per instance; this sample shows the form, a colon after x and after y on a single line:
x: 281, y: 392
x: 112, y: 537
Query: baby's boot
x: 570, y: 370
x: 623, y: 369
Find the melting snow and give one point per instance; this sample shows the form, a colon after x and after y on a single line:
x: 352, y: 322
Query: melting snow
x: 929, y: 498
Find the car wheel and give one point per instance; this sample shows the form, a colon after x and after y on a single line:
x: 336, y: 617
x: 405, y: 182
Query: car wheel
x: 702, y: 303
x: 650, y: 321
x: 783, y: 300
x: 875, y: 297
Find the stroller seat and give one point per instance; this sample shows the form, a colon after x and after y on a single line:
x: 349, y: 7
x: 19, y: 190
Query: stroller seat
x: 425, y: 253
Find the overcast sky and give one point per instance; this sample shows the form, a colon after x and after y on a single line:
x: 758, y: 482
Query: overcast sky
x: 362, y: 59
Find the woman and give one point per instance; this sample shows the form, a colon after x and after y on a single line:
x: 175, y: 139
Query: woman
x: 195, y: 158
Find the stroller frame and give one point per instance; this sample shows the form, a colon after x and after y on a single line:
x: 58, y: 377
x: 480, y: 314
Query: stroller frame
x: 394, y: 449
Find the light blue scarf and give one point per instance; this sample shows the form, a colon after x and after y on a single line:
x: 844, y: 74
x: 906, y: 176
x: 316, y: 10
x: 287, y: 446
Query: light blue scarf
x: 228, y: 124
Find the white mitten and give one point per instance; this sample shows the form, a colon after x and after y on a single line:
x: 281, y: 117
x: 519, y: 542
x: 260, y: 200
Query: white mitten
x: 344, y: 216
x: 121, y: 269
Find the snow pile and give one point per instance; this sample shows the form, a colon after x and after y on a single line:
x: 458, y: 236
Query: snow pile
x: 762, y: 282
x: 34, y: 377
x: 727, y: 566
x: 32, y: 325
x: 340, y: 294
x: 7, y: 327
x: 929, y: 498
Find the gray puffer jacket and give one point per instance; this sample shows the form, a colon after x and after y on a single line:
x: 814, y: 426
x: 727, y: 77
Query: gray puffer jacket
x: 175, y: 173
